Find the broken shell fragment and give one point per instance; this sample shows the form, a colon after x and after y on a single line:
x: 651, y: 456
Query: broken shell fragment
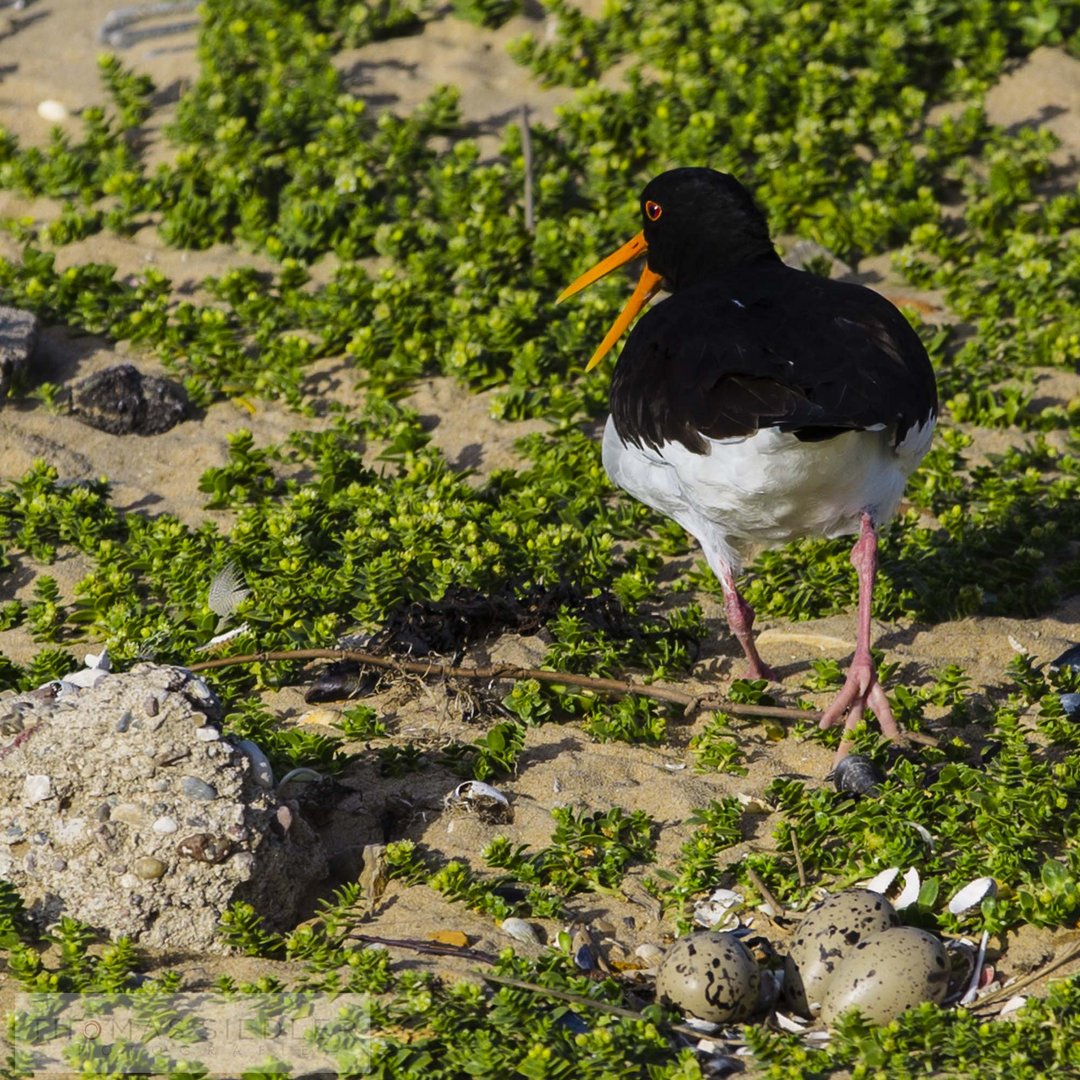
x: 474, y: 796
x: 972, y: 894
x: 261, y: 768
x: 718, y: 911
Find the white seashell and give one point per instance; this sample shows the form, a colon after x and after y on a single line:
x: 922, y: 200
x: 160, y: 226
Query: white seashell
x: 910, y: 892
x: 1015, y: 1003
x: 1017, y: 647
x: 100, y: 661
x: 790, y: 1023
x: 650, y: 954
x: 718, y: 911
x: 973, y: 893
x: 924, y: 832
x: 881, y: 882
x: 53, y: 111
x: 477, y: 793
x: 753, y: 805
x: 85, y: 678
x: 261, y: 769
x: 520, y: 930
x: 976, y: 974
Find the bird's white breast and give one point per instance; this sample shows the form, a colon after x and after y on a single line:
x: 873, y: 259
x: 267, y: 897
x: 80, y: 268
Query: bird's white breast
x: 768, y: 488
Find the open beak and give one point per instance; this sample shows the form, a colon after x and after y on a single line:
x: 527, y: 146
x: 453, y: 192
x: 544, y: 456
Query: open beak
x: 647, y: 287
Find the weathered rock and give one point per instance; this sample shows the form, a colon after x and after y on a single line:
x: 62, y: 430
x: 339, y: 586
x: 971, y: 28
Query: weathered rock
x: 144, y: 828
x: 123, y: 401
x: 18, y: 336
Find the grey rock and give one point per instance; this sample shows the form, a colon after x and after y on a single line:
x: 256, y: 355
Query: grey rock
x: 165, y: 878
x: 123, y: 401
x: 18, y: 336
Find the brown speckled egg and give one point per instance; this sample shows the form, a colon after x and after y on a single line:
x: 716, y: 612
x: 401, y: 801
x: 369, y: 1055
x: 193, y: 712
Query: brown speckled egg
x: 886, y: 974
x: 827, y: 934
x: 711, y: 976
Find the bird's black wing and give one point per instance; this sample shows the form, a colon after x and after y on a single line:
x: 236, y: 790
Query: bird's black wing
x: 774, y: 347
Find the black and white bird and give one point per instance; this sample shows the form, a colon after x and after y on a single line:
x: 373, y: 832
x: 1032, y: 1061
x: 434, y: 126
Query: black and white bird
x: 759, y: 403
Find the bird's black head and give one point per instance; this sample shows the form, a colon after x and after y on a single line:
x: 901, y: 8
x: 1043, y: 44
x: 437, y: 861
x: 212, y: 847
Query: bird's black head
x: 699, y: 223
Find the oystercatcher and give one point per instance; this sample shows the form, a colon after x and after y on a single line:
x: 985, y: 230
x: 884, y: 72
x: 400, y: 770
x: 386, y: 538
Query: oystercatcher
x: 759, y: 403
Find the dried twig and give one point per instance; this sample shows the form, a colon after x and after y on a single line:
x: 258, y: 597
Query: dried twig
x: 1032, y: 976
x: 495, y: 672
x: 778, y: 909
x: 433, y: 948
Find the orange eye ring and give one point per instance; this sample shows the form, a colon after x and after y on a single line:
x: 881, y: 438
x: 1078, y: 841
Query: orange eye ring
x: 653, y: 210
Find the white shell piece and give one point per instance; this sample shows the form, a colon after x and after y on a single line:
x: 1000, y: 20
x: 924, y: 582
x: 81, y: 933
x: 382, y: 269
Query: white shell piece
x: 976, y: 971
x: 880, y: 882
x: 790, y: 1023
x: 718, y: 911
x: 1015, y: 1003
x: 52, y: 110
x: 261, y: 768
x: 476, y: 791
x: 910, y: 892
x: 924, y: 832
x: 520, y: 930
x: 972, y: 894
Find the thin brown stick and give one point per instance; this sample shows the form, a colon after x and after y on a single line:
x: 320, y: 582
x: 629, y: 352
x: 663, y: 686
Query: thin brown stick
x: 511, y: 671
x: 433, y: 948
x: 779, y: 911
x: 1051, y: 965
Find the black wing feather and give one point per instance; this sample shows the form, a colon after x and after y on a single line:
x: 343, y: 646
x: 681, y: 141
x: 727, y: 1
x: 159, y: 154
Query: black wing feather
x: 774, y: 347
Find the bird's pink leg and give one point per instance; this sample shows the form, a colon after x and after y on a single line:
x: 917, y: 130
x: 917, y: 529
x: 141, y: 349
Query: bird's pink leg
x: 740, y: 617
x: 861, y: 690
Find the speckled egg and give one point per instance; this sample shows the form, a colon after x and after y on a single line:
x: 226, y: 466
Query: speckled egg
x: 827, y: 935
x: 711, y: 976
x: 886, y: 974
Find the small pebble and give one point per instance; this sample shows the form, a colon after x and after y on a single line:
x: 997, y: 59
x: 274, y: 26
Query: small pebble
x: 52, y: 110
x: 151, y: 705
x: 148, y: 868
x: 194, y: 788
x: 207, y: 734
x: 128, y: 813
x: 36, y: 788
x: 165, y: 825
x: 123, y: 723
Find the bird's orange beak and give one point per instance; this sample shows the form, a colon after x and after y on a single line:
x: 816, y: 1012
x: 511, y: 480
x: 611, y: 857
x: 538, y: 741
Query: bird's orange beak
x: 647, y: 287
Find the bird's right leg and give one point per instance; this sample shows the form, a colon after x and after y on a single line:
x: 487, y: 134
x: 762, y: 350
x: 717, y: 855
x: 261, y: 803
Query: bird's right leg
x: 740, y: 617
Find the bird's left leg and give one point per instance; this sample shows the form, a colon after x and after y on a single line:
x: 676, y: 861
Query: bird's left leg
x: 861, y: 690
x: 740, y: 617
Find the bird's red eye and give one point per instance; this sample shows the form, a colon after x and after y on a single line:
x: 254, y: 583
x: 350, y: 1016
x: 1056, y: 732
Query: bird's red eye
x: 653, y: 210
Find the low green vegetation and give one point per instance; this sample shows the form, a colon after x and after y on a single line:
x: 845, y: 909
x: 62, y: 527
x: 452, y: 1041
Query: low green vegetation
x: 389, y: 243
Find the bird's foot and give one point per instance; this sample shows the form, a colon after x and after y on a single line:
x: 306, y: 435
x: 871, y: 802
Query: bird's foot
x: 861, y: 691
x: 758, y: 669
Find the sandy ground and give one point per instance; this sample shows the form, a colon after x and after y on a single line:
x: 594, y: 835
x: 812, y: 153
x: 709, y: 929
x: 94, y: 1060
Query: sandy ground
x: 48, y: 52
